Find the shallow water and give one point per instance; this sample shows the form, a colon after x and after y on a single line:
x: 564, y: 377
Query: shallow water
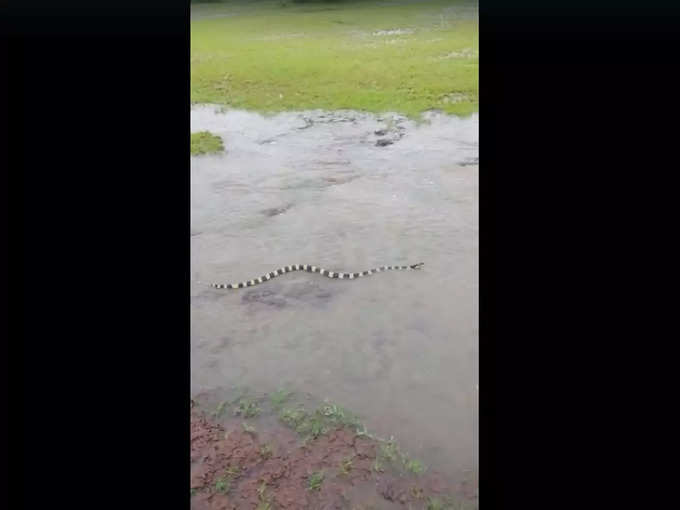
x: 398, y: 348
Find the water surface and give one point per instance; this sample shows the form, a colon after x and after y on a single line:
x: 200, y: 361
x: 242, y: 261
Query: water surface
x: 398, y: 348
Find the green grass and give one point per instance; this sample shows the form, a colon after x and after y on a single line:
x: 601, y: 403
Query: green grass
x: 265, y: 57
x: 247, y: 408
x: 449, y: 503
x: 263, y: 497
x: 223, y: 484
x: 205, y: 142
x: 345, y: 467
x: 312, y: 424
x: 220, y: 408
x: 390, y: 454
x: 315, y: 480
x: 266, y: 451
x: 280, y: 397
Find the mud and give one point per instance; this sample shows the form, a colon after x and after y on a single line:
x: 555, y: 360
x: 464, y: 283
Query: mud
x: 237, y: 467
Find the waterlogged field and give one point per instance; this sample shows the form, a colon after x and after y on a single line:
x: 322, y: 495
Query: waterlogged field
x: 314, y: 143
x: 275, y: 56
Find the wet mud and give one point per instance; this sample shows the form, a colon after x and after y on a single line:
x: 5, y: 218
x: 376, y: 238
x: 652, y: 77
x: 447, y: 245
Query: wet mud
x: 261, y: 464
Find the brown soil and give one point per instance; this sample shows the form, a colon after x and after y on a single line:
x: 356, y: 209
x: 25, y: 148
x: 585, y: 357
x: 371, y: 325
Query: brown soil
x: 232, y: 468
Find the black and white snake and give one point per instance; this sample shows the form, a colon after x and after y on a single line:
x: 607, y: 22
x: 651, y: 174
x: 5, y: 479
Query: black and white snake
x: 310, y: 269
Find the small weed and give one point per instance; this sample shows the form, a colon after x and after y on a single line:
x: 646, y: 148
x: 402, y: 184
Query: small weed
x: 305, y: 424
x: 346, y: 466
x: 292, y: 417
x: 389, y: 451
x: 337, y: 415
x: 319, y: 422
x: 417, y: 492
x: 414, y: 466
x: 248, y: 428
x: 220, y: 408
x: 279, y: 397
x: 448, y: 503
x: 312, y: 427
x: 266, y: 451
x: 265, y: 501
x: 194, y: 491
x: 315, y: 480
x: 223, y: 484
x: 247, y: 408
x: 378, y: 466
x: 434, y: 504
x: 233, y: 472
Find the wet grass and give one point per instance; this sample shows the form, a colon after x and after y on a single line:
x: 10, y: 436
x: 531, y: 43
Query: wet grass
x: 449, y: 503
x: 223, y: 484
x: 389, y: 454
x: 205, y: 142
x: 345, y: 467
x: 248, y: 428
x: 315, y: 480
x: 312, y: 424
x: 406, y: 57
x: 280, y: 397
x: 247, y: 408
x: 264, y: 499
x: 266, y: 451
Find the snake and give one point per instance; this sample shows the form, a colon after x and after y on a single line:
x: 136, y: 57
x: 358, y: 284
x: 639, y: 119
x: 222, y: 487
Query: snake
x: 312, y: 269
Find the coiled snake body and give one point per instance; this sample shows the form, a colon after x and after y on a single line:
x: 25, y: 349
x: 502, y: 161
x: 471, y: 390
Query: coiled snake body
x: 311, y: 269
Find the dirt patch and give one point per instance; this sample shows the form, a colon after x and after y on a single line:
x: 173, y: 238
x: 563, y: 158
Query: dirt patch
x: 264, y: 465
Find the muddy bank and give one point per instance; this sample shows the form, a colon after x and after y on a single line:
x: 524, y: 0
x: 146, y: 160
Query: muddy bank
x: 249, y: 461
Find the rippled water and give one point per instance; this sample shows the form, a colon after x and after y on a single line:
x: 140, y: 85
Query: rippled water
x: 398, y: 348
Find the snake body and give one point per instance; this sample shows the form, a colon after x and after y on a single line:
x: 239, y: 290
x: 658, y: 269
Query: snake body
x: 311, y: 269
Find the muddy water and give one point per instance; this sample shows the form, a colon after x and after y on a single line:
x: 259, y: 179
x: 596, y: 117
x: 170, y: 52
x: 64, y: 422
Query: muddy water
x: 398, y: 348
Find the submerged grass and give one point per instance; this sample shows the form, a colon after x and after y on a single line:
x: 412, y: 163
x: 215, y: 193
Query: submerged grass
x: 247, y: 408
x: 312, y: 424
x: 205, y: 142
x: 406, y: 57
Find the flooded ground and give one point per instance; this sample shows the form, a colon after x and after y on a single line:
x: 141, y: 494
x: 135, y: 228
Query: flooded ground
x: 348, y: 192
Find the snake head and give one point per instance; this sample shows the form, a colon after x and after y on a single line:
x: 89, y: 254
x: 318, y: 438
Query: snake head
x: 418, y: 265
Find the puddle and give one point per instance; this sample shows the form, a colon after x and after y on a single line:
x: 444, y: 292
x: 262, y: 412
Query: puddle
x: 399, y: 347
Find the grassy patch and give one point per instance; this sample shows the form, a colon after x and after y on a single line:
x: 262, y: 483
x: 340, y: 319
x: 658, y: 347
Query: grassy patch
x: 315, y: 480
x: 404, y: 56
x: 266, y: 451
x: 247, y: 408
x: 205, y: 142
x: 318, y: 422
x: 280, y: 397
x: 248, y: 428
x: 390, y: 454
x: 264, y: 500
x: 220, y: 408
x: 449, y: 503
x: 223, y: 484
x: 345, y: 467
